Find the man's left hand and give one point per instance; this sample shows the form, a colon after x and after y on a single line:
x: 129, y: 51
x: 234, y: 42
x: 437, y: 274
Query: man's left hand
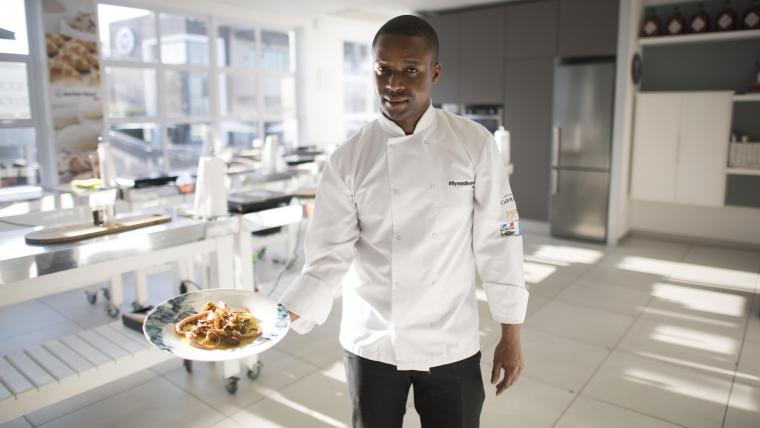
x: 507, y: 357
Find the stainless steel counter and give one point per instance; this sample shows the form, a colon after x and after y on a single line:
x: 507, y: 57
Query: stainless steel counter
x: 20, y: 261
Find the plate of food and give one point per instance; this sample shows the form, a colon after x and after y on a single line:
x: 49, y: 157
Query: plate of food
x: 216, y: 325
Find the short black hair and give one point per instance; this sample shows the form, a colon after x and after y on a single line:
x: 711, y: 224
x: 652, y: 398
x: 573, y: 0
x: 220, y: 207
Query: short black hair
x: 412, y: 26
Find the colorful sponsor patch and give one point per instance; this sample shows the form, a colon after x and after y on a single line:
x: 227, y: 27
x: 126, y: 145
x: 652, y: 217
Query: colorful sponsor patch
x: 510, y: 208
x: 510, y: 229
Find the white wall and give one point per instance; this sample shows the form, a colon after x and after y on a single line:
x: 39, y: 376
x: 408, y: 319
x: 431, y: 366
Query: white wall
x: 320, y: 75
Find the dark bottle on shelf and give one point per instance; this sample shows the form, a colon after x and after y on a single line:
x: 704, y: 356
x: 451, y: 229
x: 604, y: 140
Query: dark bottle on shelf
x: 751, y: 17
x: 726, y: 19
x: 652, y: 26
x: 676, y: 23
x: 700, y: 22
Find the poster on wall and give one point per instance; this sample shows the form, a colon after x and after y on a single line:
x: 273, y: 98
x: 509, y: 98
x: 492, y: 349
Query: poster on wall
x: 71, y: 43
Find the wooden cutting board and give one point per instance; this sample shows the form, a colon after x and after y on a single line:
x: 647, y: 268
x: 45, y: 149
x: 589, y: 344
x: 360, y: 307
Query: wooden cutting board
x: 77, y: 232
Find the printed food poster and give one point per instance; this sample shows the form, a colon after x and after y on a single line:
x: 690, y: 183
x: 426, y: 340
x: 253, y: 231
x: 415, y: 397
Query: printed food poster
x: 71, y: 42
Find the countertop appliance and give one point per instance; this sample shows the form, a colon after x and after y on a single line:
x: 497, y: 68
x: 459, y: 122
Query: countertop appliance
x: 488, y: 115
x: 581, y: 147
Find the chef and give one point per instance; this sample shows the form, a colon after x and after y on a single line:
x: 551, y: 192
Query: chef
x: 419, y: 202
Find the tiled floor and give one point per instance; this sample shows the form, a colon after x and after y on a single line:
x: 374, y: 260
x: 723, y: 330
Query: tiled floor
x: 649, y: 334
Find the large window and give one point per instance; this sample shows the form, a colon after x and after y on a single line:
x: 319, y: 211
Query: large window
x: 18, y: 147
x: 172, y: 94
x: 359, y: 105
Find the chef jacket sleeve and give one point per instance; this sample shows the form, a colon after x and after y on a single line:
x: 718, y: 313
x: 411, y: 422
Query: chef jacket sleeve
x: 329, y: 250
x: 497, y: 239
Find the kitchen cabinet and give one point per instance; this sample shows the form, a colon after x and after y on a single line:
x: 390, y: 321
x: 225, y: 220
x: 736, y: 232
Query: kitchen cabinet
x: 587, y: 28
x: 528, y: 117
x: 679, y: 147
x: 531, y: 30
x: 446, y: 90
x: 481, y: 55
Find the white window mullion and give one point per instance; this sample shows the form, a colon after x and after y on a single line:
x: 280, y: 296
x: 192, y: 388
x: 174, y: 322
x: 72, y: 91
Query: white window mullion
x: 160, y: 104
x: 41, y: 118
x: 217, y: 140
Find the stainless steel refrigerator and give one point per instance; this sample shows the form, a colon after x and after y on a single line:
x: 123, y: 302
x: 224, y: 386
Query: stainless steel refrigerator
x: 581, y: 146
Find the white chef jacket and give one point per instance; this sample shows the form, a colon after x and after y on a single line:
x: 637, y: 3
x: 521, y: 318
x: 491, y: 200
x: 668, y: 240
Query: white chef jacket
x: 416, y: 215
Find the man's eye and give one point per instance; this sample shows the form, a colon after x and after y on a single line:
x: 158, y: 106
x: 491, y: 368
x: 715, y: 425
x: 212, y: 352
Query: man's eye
x: 382, y: 69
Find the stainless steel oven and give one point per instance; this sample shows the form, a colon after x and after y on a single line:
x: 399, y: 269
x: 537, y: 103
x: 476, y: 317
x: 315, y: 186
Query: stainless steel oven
x: 488, y: 115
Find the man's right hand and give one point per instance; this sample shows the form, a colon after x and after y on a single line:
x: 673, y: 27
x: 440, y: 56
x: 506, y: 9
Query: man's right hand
x: 293, y: 316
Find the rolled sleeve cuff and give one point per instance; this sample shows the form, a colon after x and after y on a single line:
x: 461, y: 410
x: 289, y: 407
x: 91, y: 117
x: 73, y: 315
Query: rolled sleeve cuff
x: 309, y: 298
x: 508, y: 303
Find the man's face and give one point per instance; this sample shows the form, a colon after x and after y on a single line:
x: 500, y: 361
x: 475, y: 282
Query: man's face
x: 405, y: 72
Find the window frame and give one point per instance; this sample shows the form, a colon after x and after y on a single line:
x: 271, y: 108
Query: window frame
x: 370, y: 108
x: 215, y: 140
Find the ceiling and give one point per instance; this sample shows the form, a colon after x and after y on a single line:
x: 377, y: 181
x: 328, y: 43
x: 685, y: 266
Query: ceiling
x: 370, y: 10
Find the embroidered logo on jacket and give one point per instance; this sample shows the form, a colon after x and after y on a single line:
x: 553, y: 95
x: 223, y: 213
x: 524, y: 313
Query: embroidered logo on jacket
x: 455, y: 183
x: 510, y: 229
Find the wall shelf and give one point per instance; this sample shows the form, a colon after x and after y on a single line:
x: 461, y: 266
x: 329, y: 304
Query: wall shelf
x: 743, y: 171
x: 700, y: 38
x: 746, y: 97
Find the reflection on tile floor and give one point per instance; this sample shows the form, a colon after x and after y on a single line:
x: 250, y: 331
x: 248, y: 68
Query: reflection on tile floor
x: 649, y: 334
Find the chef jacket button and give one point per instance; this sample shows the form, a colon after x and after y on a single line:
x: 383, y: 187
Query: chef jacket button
x: 398, y: 237
x: 427, y: 141
x: 435, y: 233
x: 435, y: 282
x: 395, y: 190
x: 432, y: 186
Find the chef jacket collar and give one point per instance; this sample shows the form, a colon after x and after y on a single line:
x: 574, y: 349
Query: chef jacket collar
x: 394, y: 131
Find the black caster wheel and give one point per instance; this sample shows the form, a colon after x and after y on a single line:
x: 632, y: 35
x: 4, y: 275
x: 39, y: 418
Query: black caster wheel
x: 231, y: 384
x: 106, y: 294
x: 137, y: 307
x: 188, y: 365
x: 183, y: 287
x: 92, y: 297
x: 112, y: 311
x: 255, y: 371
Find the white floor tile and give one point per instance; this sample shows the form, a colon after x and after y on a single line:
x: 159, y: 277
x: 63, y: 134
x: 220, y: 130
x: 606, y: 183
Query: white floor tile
x: 591, y: 326
x: 318, y: 400
x: 206, y: 382
x: 586, y: 412
x: 157, y: 404
x: 690, y: 343
x: 727, y: 258
x: 623, y: 276
x: 674, y: 394
x: 26, y: 317
x: 16, y: 423
x: 649, y: 247
x: 749, y: 365
x: 550, y: 285
x: 226, y: 423
x: 743, y: 407
x: 528, y: 403
x: 92, y: 396
x: 611, y: 298
x: 714, y: 277
x: 557, y: 361
x: 697, y: 302
x: 753, y: 326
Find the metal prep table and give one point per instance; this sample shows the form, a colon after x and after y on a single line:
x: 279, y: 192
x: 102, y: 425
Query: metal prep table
x: 43, y: 374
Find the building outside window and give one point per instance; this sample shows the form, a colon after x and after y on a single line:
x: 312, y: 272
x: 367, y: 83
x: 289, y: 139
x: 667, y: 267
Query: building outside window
x: 172, y: 95
x: 18, y: 117
x: 359, y: 105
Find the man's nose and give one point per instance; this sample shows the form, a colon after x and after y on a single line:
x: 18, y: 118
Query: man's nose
x: 395, y: 82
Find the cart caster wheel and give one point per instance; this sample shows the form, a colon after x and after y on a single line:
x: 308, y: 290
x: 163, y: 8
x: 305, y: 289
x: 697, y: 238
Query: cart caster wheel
x: 183, y: 287
x: 92, y: 297
x: 188, y: 365
x: 231, y: 384
x: 255, y: 371
x: 106, y: 294
x: 112, y: 311
x: 137, y: 307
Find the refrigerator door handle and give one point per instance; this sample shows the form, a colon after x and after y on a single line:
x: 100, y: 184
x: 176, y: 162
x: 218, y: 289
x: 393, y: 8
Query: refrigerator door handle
x: 556, y: 143
x: 554, y: 181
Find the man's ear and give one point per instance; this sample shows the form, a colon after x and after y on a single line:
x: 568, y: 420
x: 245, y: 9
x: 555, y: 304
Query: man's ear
x: 436, y: 72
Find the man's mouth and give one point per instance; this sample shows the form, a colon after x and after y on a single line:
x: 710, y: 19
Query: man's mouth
x: 395, y: 100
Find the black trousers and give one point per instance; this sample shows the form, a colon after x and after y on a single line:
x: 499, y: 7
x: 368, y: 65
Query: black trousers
x: 448, y: 396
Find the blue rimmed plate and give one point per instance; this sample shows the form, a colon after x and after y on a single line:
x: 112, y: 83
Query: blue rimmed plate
x: 159, y: 325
